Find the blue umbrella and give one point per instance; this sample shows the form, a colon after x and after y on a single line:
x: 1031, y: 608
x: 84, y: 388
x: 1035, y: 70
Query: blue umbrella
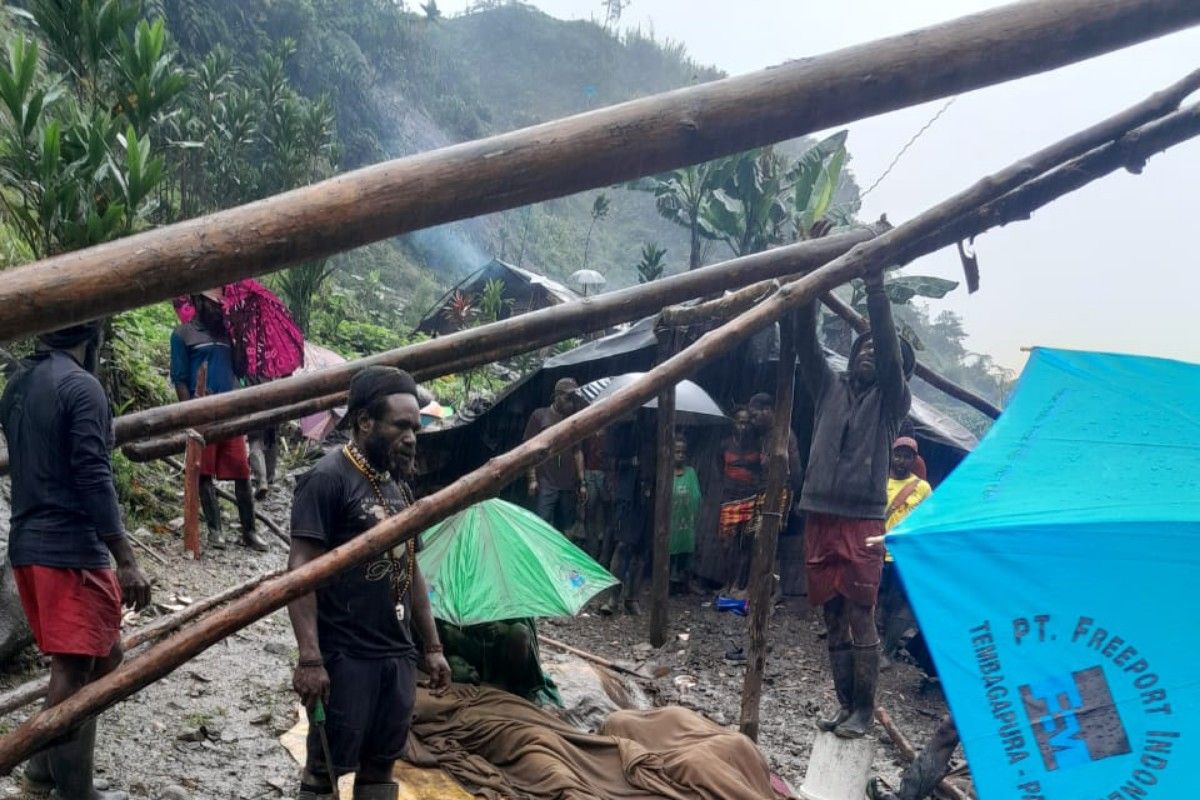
x: 1054, y: 576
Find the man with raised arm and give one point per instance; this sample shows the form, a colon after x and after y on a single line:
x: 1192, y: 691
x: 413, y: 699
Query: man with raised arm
x: 857, y: 416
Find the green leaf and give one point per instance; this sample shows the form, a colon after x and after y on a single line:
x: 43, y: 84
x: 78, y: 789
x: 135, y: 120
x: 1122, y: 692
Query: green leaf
x: 903, y: 288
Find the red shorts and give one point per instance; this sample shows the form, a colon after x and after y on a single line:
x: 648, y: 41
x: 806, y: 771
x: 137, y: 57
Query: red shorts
x: 74, y: 612
x: 837, y: 560
x: 226, y: 461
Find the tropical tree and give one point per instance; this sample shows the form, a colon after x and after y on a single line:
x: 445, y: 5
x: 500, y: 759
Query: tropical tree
x: 681, y: 196
x: 651, y: 267
x: 78, y: 168
x: 600, y: 209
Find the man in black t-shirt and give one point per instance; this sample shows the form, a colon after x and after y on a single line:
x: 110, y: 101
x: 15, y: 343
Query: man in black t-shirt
x: 355, y: 633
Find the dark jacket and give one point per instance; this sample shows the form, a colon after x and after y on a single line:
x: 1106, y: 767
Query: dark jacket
x: 853, y: 430
x: 59, y: 429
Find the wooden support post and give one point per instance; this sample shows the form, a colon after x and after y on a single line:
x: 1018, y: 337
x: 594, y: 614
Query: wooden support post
x: 664, y: 489
x: 566, y: 156
x: 774, y: 518
x: 906, y: 240
x: 191, y: 478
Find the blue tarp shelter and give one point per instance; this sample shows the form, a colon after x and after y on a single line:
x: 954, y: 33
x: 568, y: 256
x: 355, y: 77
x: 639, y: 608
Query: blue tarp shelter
x: 1054, y: 574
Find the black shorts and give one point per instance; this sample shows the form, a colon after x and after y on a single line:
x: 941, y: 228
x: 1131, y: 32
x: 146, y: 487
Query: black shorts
x: 368, y: 714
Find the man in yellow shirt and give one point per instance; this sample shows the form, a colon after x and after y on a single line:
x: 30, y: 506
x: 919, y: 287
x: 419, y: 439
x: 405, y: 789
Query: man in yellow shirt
x: 905, y: 491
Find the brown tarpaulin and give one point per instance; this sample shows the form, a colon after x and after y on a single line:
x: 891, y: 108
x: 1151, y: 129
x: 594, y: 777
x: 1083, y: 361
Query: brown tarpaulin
x: 504, y: 748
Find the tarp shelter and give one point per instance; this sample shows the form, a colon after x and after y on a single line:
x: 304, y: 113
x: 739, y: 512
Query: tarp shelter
x: 1053, y: 574
x: 471, y: 439
x: 524, y: 291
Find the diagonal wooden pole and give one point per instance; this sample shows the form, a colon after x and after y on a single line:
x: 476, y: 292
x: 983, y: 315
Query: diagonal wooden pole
x: 774, y: 518
x: 907, y: 239
x: 590, y: 150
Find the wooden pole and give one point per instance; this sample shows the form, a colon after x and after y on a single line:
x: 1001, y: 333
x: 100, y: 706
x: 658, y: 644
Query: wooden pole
x: 35, y: 689
x: 664, y: 490
x: 47, y: 725
x: 191, y: 477
x: 259, y: 514
x: 1129, y: 152
x: 591, y: 150
x: 945, y: 787
x: 930, y: 376
x: 592, y: 657
x: 774, y: 517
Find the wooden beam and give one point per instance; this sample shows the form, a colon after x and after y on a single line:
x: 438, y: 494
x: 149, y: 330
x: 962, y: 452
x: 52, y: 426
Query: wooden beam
x: 44, y: 727
x: 570, y: 155
x: 927, y: 374
x: 492, y: 342
x: 664, y: 490
x: 774, y: 519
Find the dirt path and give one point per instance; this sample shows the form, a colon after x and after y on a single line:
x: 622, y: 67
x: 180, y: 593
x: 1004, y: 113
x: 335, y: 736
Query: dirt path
x: 210, y: 730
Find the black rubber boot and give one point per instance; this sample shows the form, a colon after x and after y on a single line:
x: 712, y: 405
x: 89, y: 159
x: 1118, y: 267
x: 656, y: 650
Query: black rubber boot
x: 73, y: 764
x: 841, y: 663
x: 866, y: 678
x: 37, y: 780
x: 212, y: 514
x: 245, y: 506
x: 377, y: 791
x: 878, y: 790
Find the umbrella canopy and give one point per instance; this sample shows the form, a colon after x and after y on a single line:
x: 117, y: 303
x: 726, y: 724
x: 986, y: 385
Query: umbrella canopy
x: 1050, y: 573
x: 496, y: 561
x: 259, y: 324
x: 693, y: 405
x: 588, y: 277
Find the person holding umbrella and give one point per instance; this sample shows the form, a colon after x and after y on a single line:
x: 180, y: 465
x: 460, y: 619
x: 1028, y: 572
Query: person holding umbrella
x: 356, y: 633
x: 857, y: 417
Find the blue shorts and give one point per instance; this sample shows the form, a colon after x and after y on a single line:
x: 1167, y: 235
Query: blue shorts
x: 368, y: 714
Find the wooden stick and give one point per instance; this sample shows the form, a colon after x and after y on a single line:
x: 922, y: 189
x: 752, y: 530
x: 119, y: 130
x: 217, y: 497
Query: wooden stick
x: 191, y: 477
x: 592, y: 657
x: 31, y: 691
x: 934, y: 379
x: 146, y: 548
x: 566, y: 156
x: 906, y: 749
x: 47, y: 725
x: 664, y: 490
x: 775, y: 511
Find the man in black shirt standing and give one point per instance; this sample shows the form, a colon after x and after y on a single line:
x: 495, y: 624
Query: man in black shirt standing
x: 357, y: 652
x: 65, y: 525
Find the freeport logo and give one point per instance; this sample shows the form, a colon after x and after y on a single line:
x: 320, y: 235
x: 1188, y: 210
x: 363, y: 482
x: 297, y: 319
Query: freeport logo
x: 1074, y: 719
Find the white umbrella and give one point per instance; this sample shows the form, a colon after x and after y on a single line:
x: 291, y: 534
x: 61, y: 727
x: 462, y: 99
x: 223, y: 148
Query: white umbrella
x: 588, y: 278
x: 693, y: 405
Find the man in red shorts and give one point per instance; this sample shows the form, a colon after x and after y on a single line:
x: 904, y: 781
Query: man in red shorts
x: 65, y: 525
x: 205, y: 341
x: 858, y: 414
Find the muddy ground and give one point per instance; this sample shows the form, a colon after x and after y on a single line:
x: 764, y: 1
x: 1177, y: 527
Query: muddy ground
x: 211, y: 729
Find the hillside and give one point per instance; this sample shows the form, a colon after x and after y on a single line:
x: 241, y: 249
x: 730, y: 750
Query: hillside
x: 400, y: 84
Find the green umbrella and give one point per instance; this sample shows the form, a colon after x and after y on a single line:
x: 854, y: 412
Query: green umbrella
x: 496, y: 560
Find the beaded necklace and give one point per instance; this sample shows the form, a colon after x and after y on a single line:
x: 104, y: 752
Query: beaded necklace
x: 399, y: 586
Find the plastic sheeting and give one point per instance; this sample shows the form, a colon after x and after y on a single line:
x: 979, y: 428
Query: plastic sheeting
x: 1053, y: 574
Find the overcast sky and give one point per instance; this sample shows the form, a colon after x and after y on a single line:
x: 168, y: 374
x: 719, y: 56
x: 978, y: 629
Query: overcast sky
x: 1112, y: 267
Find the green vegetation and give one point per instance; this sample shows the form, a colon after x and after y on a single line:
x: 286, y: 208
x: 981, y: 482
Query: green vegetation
x: 119, y: 115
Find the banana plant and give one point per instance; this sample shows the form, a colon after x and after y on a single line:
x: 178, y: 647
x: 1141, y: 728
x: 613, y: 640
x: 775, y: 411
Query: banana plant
x: 815, y: 179
x: 681, y: 196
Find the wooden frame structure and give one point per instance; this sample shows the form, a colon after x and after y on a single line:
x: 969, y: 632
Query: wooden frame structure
x: 617, y: 143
